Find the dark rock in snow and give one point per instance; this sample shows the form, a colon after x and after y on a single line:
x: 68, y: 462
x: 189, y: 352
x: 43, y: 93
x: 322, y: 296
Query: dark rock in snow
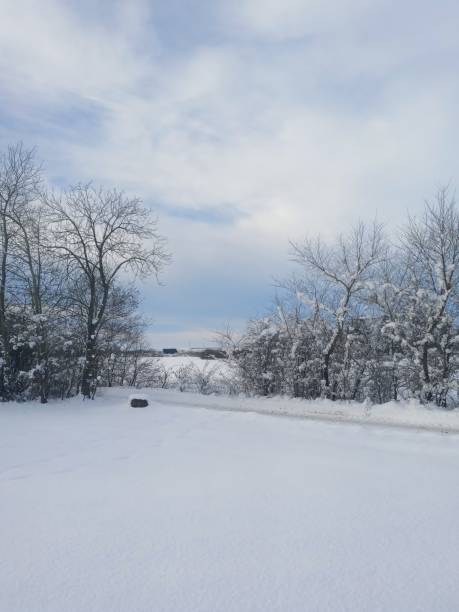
x: 138, y: 401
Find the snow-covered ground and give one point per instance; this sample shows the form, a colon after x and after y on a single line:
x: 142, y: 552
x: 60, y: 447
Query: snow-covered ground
x: 181, y: 360
x: 173, y: 362
x: 179, y: 508
x: 410, y: 413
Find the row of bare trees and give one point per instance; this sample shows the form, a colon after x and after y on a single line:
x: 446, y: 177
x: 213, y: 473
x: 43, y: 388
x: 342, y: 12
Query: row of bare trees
x: 367, y: 317
x: 68, y: 262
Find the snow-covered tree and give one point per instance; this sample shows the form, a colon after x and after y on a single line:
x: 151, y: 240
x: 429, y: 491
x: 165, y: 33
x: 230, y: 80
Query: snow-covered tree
x: 62, y: 265
x: 365, y: 321
x: 342, y: 271
x: 101, y: 234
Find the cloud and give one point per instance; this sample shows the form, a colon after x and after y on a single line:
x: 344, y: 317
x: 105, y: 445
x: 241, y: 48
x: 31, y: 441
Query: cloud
x: 286, y: 19
x: 51, y: 51
x: 224, y: 214
x: 245, y: 124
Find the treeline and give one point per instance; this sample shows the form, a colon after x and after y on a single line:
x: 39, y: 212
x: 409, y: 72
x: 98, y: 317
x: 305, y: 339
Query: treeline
x: 68, y: 308
x: 365, y: 318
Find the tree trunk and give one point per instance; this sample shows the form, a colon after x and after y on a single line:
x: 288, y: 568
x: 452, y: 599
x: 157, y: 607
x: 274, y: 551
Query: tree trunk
x: 88, y: 377
x: 427, y: 391
x: 326, y: 373
x: 3, y: 328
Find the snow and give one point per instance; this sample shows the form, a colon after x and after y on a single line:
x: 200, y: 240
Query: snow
x: 403, y: 414
x: 137, y: 395
x: 174, y: 362
x: 178, y: 507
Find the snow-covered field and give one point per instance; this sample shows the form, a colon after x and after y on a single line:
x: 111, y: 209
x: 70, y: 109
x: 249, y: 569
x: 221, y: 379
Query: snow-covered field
x: 174, y: 361
x: 180, y: 508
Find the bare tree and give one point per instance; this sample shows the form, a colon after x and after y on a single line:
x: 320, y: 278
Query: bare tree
x: 38, y: 276
x: 343, y: 269
x: 20, y: 178
x: 431, y: 248
x: 102, y: 234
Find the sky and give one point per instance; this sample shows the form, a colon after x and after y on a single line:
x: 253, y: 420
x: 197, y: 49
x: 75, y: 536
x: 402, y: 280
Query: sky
x: 244, y: 124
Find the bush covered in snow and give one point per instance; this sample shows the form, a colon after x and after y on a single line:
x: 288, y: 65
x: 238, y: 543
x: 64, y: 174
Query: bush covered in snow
x: 364, y: 320
x: 192, y: 374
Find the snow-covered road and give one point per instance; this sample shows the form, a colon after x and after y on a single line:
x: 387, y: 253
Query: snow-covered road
x: 108, y: 508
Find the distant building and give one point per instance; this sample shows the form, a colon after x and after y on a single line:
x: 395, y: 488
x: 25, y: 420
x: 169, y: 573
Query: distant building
x: 169, y: 351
